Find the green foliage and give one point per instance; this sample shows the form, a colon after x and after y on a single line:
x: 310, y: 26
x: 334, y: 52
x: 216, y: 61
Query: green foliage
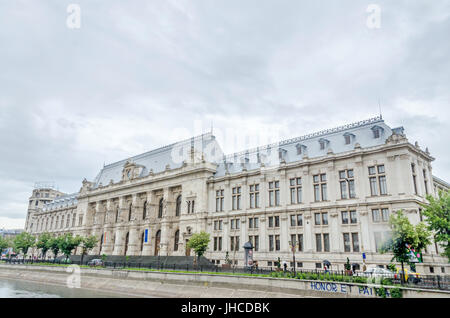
x: 396, y: 292
x: 381, y: 292
x: 347, y: 265
x: 68, y: 243
x: 199, y: 242
x: 43, y: 242
x: 23, y: 242
x: 403, y: 232
x: 87, y: 243
x: 392, y: 267
x: 104, y: 257
x: 438, y: 219
x: 278, y: 263
x: 54, y: 244
x: 5, y: 243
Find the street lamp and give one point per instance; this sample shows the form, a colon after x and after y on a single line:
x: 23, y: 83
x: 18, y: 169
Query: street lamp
x: 293, y: 244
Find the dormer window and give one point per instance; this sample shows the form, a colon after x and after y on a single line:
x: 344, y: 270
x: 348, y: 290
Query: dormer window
x: 282, y: 153
x: 377, y: 131
x: 348, y: 137
x: 301, y: 149
x: 323, y: 143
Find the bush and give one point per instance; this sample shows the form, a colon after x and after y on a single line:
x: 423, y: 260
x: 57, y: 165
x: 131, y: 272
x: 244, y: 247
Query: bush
x: 396, y: 293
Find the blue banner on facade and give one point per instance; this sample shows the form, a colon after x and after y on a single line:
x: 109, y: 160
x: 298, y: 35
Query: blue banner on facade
x: 146, y: 235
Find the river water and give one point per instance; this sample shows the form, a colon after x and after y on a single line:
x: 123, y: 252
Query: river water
x: 10, y: 288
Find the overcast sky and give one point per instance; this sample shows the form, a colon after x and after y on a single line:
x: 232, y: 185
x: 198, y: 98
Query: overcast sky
x: 142, y: 74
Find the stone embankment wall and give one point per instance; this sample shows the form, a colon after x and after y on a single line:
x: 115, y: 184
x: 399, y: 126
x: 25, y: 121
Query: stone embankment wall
x: 161, y: 284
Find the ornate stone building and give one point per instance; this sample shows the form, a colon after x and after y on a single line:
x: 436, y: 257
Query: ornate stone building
x: 331, y: 192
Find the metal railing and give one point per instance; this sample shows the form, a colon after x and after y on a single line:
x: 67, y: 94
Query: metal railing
x: 423, y: 281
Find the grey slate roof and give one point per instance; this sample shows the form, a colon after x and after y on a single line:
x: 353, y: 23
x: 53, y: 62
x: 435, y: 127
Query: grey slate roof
x: 62, y: 202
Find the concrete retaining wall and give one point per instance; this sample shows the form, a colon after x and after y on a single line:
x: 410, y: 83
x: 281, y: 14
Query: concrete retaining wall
x: 161, y: 284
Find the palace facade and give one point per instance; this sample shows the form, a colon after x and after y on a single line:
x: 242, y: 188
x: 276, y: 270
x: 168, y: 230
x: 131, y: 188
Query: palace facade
x: 330, y: 192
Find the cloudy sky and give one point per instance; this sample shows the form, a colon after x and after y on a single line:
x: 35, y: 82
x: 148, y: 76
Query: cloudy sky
x: 141, y: 74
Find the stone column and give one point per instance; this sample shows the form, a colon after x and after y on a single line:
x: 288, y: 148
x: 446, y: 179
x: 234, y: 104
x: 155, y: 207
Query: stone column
x: 165, y: 225
x: 284, y: 235
x: 363, y: 216
x: 334, y: 231
x: 133, y: 238
x: 308, y: 232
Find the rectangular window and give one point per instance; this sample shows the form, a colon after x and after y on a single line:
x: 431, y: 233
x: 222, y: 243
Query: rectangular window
x: 355, y: 242
x: 220, y: 243
x: 236, y: 198
x: 376, y: 215
x: 256, y: 243
x: 296, y: 190
x: 317, y: 218
x: 347, y: 184
x: 219, y: 200
x: 254, y: 196
x: 353, y: 217
x: 326, y: 242
x: 320, y: 187
x: 413, y: 170
x: 277, y: 242
x: 380, y: 185
x: 293, y: 220
x: 300, y: 242
x: 385, y: 215
x: 270, y: 221
x: 344, y: 217
x: 274, y: 193
x: 425, y: 181
x: 318, y: 243
x: 277, y: 221
x: 215, y: 243
x: 346, y: 242
x: 325, y: 218
x: 270, y: 242
x: 299, y: 219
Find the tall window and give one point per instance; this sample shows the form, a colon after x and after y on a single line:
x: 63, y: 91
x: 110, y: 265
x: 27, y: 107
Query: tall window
x: 176, y: 240
x: 144, y: 212
x: 218, y: 225
x: 235, y: 224
x: 129, y: 212
x: 298, y: 240
x: 325, y: 238
x: 413, y: 170
x: 320, y: 187
x: 271, y: 245
x: 274, y: 221
x: 80, y: 221
x: 296, y: 190
x: 254, y: 196
x: 254, y: 239
x: 253, y: 223
x: 425, y: 181
x: 217, y: 243
x: 160, y: 208
x: 234, y: 243
x: 380, y: 217
x: 321, y: 218
x: 62, y: 222
x: 352, y: 245
x: 377, y: 179
x: 74, y: 218
x: 236, y: 198
x: 219, y: 200
x: 117, y: 214
x: 347, y: 182
x: 274, y: 193
x: 296, y: 219
x: 142, y: 241
x: 178, y: 206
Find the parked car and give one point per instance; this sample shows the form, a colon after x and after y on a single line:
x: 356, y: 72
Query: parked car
x: 409, y: 275
x: 65, y: 261
x: 377, y: 272
x: 96, y: 262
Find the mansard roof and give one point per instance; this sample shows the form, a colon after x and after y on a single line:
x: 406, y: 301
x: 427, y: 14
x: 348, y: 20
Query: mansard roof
x: 62, y: 202
x: 158, y: 159
x: 362, y: 132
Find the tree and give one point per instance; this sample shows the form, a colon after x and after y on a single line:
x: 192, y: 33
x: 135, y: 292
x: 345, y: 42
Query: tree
x: 54, y: 245
x: 23, y: 242
x: 437, y: 214
x: 86, y: 244
x: 4, y: 243
x: 43, y: 243
x: 404, y: 237
x: 68, y: 243
x: 199, y: 243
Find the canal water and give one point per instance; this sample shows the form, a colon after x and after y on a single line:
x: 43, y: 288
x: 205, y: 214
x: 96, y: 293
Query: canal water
x: 10, y: 288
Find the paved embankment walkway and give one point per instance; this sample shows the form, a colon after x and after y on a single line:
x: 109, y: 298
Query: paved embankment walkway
x: 188, y: 285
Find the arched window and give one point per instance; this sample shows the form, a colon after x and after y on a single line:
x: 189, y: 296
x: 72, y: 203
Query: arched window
x: 144, y: 213
x: 177, y: 237
x: 178, y: 206
x: 101, y: 244
x: 126, y: 243
x: 129, y: 213
x: 157, y: 242
x: 160, y: 210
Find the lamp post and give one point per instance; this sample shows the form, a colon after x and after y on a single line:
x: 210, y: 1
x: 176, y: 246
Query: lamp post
x: 293, y: 244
